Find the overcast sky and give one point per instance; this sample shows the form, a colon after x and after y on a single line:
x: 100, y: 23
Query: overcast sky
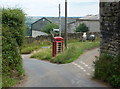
x: 50, y: 7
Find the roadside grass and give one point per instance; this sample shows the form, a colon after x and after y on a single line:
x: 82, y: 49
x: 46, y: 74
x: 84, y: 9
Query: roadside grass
x: 28, y: 48
x: 43, y: 54
x: 8, y: 82
x: 0, y: 81
x: 73, y: 40
x: 107, y: 69
x: 75, y: 49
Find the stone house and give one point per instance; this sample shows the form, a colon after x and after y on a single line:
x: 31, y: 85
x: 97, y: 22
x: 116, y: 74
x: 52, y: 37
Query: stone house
x: 91, y: 21
x: 39, y: 24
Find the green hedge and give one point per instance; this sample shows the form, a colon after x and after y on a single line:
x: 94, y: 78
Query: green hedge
x: 15, y: 19
x: 13, y: 27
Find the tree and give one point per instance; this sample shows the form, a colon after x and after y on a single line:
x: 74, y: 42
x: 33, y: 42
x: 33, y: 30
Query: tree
x: 82, y: 28
x: 49, y: 27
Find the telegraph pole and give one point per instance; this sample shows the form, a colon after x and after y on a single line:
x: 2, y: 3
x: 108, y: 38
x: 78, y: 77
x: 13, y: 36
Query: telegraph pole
x: 66, y: 24
x: 59, y: 20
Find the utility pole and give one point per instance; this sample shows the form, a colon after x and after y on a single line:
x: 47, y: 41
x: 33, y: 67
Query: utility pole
x: 59, y: 20
x: 66, y: 24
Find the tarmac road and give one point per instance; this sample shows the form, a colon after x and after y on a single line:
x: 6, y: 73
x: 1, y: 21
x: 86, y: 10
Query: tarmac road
x: 76, y: 74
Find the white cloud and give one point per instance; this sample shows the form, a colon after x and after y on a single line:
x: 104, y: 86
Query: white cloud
x: 50, y: 7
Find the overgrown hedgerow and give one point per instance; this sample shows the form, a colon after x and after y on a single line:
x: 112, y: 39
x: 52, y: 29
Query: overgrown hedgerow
x: 107, y: 69
x: 15, y: 20
x: 13, y: 27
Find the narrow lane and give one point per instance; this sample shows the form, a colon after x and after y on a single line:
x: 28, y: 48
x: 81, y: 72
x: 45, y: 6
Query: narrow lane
x: 77, y: 74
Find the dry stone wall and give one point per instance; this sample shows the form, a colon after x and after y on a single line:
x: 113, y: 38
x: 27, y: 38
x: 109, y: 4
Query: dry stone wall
x: 110, y: 27
x: 71, y: 36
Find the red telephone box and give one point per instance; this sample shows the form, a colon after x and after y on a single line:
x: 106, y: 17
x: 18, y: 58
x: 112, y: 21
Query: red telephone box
x: 57, y: 46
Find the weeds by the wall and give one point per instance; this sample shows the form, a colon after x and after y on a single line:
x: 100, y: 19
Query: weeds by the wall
x: 107, y: 68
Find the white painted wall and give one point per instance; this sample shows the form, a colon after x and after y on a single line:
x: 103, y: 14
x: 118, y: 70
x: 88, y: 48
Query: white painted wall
x: 37, y: 33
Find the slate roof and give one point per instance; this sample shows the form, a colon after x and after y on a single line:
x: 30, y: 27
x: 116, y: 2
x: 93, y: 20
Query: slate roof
x: 56, y: 20
x: 90, y: 17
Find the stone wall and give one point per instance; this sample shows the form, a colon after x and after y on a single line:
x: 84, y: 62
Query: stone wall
x: 38, y: 38
x: 110, y: 27
x: 71, y: 36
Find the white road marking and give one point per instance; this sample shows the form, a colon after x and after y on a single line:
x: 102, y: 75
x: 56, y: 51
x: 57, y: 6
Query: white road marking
x: 78, y: 66
x: 83, y: 68
x: 81, y: 62
x: 88, y: 73
x: 86, y: 65
x: 89, y: 68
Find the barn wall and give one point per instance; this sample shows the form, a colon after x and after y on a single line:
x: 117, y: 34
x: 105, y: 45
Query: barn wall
x: 94, y: 26
x: 39, y: 24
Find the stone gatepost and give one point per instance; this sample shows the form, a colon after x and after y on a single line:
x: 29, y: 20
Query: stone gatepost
x: 110, y: 26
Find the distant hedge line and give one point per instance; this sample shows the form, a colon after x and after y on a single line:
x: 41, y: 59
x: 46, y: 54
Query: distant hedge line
x: 13, y: 27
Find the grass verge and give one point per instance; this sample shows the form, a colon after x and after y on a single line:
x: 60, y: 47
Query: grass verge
x: 8, y: 82
x: 72, y: 53
x: 28, y: 48
x: 43, y: 54
x: 0, y: 81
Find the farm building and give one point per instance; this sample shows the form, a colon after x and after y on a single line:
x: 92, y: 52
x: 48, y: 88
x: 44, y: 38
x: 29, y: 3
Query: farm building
x: 37, y: 33
x: 39, y: 24
x: 91, y: 21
